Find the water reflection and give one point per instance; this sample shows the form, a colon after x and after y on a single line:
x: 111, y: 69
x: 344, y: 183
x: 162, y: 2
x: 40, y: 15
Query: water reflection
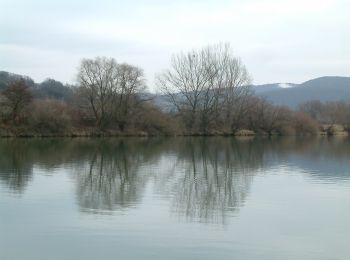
x: 209, y: 177
x: 201, y: 178
x: 110, y: 178
x: 324, y: 159
x: 15, y: 170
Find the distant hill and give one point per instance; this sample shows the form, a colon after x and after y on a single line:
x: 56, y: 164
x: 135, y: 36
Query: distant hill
x: 7, y: 77
x: 323, y: 89
x: 49, y: 88
x: 260, y: 89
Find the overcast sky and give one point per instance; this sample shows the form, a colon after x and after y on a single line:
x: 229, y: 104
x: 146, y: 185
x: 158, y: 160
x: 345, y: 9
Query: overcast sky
x: 278, y: 40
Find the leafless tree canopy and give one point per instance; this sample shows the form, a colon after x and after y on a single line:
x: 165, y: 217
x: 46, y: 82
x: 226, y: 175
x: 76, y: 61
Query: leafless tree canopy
x: 209, y: 91
x: 110, y: 89
x: 206, y: 86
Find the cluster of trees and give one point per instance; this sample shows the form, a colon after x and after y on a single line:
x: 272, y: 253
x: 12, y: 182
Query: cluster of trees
x: 208, y: 91
x: 110, y: 98
x: 25, y: 115
x: 335, y: 112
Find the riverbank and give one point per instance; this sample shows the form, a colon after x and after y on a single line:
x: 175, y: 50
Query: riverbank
x: 19, y: 132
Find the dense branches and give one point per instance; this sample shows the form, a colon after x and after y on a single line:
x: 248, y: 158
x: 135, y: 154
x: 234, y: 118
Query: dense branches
x: 206, y: 87
x: 128, y: 95
x: 328, y: 112
x: 208, y: 92
x: 98, y: 82
x: 109, y: 89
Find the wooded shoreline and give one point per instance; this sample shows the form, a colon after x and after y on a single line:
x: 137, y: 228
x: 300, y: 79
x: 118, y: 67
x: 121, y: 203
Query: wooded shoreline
x: 205, y: 92
x: 94, y: 133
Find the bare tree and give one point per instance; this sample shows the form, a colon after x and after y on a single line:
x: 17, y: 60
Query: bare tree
x: 184, y: 84
x: 202, y: 84
x: 18, y: 96
x: 237, y: 92
x: 264, y: 116
x: 111, y: 89
x: 336, y: 112
x: 131, y: 83
x: 98, y: 82
x: 314, y: 108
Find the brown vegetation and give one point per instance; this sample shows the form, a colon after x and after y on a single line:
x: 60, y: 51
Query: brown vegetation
x: 50, y: 117
x: 334, y: 117
x: 208, y: 91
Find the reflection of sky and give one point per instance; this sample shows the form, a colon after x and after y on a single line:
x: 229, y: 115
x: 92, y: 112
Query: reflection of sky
x: 284, y: 217
x: 322, y: 168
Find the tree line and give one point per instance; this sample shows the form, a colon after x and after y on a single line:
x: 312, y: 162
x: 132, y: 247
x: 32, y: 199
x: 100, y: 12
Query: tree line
x: 204, y: 92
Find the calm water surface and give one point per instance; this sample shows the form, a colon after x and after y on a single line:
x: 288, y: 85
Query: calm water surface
x: 175, y: 198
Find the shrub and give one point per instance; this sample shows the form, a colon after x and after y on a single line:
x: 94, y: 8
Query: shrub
x: 305, y: 125
x: 50, y: 116
x: 153, y: 121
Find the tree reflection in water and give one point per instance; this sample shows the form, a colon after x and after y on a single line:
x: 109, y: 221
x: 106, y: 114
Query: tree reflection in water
x: 111, y: 178
x: 15, y: 170
x: 203, y: 179
x: 210, y: 177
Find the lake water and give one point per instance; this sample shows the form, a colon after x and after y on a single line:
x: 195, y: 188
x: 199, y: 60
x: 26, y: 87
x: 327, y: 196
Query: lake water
x: 175, y: 198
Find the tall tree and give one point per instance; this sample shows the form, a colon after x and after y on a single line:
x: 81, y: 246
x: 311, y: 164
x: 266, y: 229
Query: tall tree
x: 111, y: 89
x: 131, y: 84
x: 98, y: 82
x: 204, y: 84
